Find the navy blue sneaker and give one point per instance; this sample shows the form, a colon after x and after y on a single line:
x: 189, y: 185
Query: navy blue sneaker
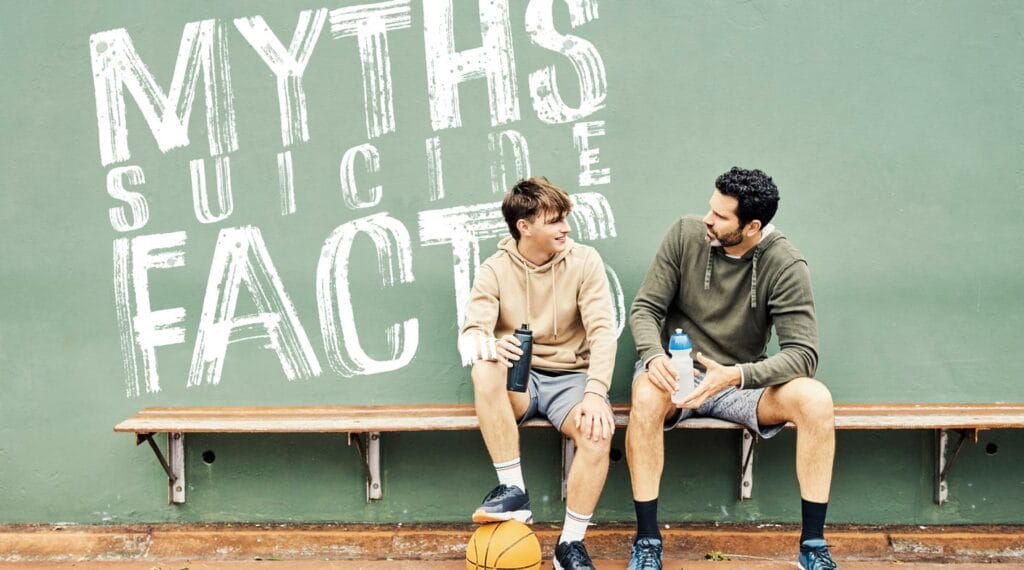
x: 572, y: 556
x: 504, y: 503
x: 814, y: 555
x: 646, y: 554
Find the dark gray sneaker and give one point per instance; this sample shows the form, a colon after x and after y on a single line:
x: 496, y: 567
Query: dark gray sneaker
x: 572, y: 556
x: 646, y: 554
x: 504, y: 503
x: 814, y: 555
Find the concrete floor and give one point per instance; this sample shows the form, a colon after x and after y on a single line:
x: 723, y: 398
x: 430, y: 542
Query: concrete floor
x: 459, y: 565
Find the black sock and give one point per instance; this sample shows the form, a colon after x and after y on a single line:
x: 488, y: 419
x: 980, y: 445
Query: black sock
x: 647, y: 519
x: 813, y: 515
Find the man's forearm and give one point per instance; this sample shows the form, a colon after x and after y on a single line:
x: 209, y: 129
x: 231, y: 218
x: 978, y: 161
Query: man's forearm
x: 790, y: 363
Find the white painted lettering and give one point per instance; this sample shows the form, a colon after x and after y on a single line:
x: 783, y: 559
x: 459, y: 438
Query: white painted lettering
x: 241, y: 258
x: 143, y: 329
x: 135, y: 201
x: 593, y: 83
x: 500, y: 181
x: 286, y: 182
x: 349, y: 190
x: 589, y: 157
x: 288, y: 65
x: 463, y: 227
x: 435, y: 172
x: 116, y: 65
x: 370, y: 23
x: 200, y: 196
x: 337, y: 321
x: 446, y: 68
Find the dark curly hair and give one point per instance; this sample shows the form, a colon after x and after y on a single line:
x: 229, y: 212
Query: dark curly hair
x: 757, y: 195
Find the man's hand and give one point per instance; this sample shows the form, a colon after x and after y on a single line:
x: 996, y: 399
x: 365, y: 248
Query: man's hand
x: 716, y: 379
x: 662, y: 374
x: 594, y: 417
x: 507, y: 348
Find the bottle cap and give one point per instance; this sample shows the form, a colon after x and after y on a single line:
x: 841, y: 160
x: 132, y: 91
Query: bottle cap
x: 679, y: 341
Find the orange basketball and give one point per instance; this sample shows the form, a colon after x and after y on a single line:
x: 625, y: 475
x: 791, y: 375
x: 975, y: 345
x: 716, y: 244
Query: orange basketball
x: 508, y: 545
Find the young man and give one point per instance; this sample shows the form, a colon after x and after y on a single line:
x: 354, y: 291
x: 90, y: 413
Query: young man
x: 541, y: 277
x: 726, y: 281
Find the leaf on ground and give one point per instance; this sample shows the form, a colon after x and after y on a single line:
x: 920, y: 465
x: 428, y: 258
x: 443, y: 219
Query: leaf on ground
x: 716, y: 556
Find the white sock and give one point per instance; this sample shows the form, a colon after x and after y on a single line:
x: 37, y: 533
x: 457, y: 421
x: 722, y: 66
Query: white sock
x: 575, y: 526
x: 510, y: 473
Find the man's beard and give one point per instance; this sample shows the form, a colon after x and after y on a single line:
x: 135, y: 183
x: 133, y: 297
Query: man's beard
x: 728, y: 240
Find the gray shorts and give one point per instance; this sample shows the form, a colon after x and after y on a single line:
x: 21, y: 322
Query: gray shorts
x: 554, y: 395
x: 732, y: 405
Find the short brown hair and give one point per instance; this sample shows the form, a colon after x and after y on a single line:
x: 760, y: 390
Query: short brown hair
x: 531, y: 196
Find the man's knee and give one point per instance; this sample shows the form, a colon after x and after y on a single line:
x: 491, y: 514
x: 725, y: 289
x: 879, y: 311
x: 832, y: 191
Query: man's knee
x: 648, y: 401
x: 488, y: 376
x: 593, y: 450
x: 813, y: 401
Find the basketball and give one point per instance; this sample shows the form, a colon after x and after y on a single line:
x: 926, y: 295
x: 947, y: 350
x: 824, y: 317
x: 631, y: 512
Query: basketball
x: 505, y: 545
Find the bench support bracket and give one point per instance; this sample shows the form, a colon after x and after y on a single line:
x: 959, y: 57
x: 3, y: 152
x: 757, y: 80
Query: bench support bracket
x: 368, y: 447
x: 747, y: 464
x: 174, y: 465
x: 568, y: 453
x: 942, y: 464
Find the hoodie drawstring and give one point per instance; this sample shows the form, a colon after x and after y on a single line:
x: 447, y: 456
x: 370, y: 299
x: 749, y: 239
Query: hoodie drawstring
x: 707, y: 270
x: 554, y: 298
x: 753, y: 279
x: 526, y: 270
x: 554, y: 293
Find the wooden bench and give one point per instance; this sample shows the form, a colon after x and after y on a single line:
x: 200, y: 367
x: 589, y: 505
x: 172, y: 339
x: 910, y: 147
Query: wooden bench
x: 365, y: 426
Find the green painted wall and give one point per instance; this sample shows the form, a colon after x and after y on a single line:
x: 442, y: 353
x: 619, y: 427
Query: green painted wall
x: 894, y: 129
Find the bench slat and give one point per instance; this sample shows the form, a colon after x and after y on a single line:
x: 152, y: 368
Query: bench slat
x: 929, y: 416
x: 431, y: 417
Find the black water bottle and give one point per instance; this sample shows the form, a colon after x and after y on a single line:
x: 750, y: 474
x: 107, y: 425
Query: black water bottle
x: 519, y: 374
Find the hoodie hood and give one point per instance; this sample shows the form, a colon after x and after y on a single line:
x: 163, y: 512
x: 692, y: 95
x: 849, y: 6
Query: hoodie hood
x: 509, y: 247
x: 769, y: 237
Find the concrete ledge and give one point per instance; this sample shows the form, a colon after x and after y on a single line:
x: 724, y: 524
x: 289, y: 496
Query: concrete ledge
x: 447, y: 542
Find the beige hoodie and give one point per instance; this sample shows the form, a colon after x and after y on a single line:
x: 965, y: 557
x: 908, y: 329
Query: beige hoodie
x: 566, y: 302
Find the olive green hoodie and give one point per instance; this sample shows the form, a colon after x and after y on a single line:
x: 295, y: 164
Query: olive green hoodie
x: 728, y: 305
x: 566, y: 302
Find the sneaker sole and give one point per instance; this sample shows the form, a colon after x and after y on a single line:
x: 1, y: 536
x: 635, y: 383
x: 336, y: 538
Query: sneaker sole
x: 481, y: 517
x: 555, y: 565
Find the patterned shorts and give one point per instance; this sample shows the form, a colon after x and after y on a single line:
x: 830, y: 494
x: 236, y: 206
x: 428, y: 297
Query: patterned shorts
x: 732, y: 405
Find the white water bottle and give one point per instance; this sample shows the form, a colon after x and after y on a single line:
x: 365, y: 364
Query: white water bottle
x: 679, y: 347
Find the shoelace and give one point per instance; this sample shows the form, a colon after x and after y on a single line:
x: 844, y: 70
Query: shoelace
x: 499, y: 492
x: 647, y: 555
x: 821, y: 559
